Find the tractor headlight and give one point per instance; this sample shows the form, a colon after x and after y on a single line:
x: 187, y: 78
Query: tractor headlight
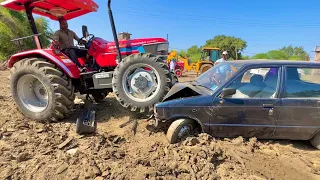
x: 163, y: 47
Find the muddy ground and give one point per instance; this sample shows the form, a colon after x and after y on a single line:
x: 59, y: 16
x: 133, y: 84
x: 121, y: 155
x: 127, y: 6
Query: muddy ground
x: 31, y: 150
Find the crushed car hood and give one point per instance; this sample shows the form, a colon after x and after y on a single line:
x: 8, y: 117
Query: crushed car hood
x: 186, y: 89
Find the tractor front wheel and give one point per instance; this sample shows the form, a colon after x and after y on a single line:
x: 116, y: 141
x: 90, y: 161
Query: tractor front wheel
x: 140, y: 81
x: 41, y: 91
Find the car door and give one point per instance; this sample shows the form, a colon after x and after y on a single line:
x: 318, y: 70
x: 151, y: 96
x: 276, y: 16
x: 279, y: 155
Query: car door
x: 253, y: 110
x: 300, y: 113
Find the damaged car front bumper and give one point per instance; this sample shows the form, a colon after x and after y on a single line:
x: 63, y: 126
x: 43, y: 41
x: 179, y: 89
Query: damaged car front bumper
x: 155, y: 120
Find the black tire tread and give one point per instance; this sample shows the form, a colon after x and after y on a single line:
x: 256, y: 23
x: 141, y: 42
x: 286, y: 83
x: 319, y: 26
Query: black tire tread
x: 175, y: 126
x: 134, y: 57
x: 62, y: 85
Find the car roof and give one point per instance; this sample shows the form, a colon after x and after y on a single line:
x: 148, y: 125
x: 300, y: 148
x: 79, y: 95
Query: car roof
x: 275, y: 62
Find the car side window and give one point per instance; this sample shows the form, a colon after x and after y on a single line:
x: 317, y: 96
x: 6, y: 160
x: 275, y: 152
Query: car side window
x: 302, y: 83
x: 256, y: 83
x: 260, y: 71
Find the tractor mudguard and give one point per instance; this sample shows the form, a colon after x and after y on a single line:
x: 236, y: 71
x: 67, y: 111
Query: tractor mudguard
x: 61, y: 60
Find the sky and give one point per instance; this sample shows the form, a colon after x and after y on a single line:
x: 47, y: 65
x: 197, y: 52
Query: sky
x: 264, y: 25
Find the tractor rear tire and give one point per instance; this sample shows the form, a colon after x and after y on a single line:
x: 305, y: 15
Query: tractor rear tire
x: 41, y: 90
x: 124, y: 85
x: 205, y: 67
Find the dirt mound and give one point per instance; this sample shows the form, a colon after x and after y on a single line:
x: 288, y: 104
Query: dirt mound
x: 3, y: 65
x: 30, y: 150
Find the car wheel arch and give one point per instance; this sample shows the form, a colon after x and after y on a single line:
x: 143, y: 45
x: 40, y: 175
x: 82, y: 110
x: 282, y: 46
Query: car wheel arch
x: 174, y: 118
x: 315, y: 133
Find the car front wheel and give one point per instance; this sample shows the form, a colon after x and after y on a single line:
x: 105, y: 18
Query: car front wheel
x: 180, y: 129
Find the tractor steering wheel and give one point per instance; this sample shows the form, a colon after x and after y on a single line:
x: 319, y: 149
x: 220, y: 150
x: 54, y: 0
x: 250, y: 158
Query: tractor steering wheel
x: 87, y: 45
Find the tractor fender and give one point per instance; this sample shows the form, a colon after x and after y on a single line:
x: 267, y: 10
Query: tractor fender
x: 61, y: 60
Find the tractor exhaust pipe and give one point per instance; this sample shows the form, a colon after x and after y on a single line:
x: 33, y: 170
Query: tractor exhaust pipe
x: 114, y: 30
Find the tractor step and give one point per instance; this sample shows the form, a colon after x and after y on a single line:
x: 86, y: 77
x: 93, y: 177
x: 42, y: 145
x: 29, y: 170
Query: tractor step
x: 100, y: 80
x: 88, y: 73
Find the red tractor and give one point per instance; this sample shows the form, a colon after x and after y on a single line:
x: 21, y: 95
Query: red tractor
x: 44, y: 80
x: 179, y: 68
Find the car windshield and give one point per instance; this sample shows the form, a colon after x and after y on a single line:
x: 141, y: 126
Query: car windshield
x: 218, y: 74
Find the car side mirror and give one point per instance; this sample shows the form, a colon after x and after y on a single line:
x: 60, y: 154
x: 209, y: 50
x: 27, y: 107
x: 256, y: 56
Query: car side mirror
x: 227, y: 92
x: 85, y: 32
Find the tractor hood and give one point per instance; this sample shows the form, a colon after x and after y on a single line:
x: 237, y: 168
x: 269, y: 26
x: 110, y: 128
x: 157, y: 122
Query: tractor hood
x: 136, y: 43
x: 184, y: 90
x: 54, y: 9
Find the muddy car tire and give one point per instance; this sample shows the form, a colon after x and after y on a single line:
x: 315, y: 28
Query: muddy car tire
x: 41, y: 90
x: 315, y: 140
x: 142, y: 89
x: 181, y: 129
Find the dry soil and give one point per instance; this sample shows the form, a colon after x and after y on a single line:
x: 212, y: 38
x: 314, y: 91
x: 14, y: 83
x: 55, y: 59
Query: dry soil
x: 32, y: 150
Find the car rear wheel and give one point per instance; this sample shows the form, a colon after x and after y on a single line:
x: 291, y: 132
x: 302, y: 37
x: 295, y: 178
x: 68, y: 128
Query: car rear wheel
x: 315, y: 140
x: 180, y: 129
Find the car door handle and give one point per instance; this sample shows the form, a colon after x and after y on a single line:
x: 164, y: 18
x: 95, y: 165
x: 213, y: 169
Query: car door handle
x: 268, y: 105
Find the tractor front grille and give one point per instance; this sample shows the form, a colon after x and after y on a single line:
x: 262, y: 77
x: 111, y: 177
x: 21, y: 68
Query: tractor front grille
x: 157, y: 48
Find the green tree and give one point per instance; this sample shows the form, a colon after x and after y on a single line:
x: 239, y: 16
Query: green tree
x: 194, y: 53
x: 295, y: 53
x: 245, y: 57
x: 193, y: 50
x: 277, y: 54
x: 182, y: 53
x: 232, y: 44
x: 14, y: 25
x: 260, y: 56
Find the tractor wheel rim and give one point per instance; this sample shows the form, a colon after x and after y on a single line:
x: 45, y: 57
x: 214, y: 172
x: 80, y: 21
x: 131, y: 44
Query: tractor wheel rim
x: 178, y: 72
x: 139, y: 84
x: 32, y: 93
x: 185, y: 131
